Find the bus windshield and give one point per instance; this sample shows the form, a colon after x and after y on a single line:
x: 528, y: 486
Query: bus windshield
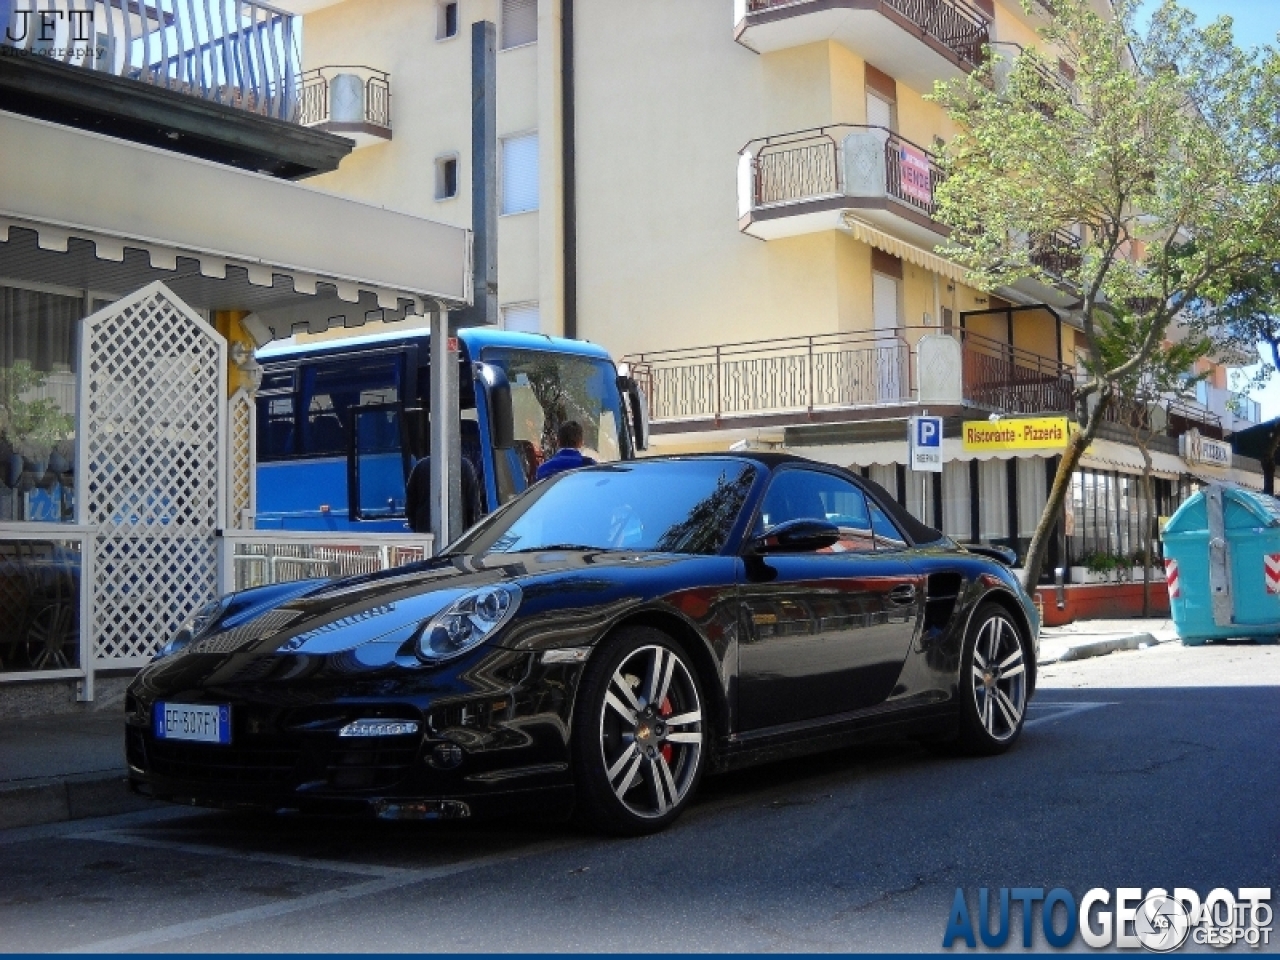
x: 547, y: 390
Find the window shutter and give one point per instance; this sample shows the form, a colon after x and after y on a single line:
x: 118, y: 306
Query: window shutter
x: 519, y: 22
x: 522, y: 317
x: 520, y: 174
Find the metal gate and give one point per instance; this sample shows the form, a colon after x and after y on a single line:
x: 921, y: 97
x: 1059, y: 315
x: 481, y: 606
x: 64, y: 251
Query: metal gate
x: 150, y: 453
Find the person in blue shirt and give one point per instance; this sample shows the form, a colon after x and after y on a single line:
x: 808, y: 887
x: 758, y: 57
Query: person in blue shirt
x: 569, y: 456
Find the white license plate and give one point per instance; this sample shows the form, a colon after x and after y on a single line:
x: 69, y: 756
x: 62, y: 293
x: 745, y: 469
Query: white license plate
x: 186, y: 721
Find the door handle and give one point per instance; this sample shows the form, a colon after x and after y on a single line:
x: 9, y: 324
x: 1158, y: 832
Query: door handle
x: 902, y: 595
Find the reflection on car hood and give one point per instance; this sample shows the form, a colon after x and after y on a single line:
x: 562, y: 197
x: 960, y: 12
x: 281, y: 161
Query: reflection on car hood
x: 343, y: 614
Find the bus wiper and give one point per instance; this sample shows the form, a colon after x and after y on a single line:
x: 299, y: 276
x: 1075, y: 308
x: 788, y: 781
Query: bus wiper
x: 568, y: 546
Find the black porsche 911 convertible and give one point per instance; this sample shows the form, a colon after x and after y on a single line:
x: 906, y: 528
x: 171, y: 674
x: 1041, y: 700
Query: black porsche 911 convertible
x: 600, y: 642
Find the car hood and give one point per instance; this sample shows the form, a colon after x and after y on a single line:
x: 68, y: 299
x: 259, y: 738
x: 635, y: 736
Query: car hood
x: 369, y: 622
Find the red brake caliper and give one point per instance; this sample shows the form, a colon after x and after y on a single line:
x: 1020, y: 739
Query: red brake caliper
x: 665, y: 711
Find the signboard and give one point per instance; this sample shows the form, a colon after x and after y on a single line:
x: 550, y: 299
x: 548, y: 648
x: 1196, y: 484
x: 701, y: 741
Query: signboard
x: 924, y: 441
x: 1032, y: 433
x: 913, y: 174
x: 1203, y: 451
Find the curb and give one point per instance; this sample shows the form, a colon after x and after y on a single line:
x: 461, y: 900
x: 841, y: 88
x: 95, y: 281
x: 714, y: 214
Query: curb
x: 1100, y: 648
x: 68, y: 798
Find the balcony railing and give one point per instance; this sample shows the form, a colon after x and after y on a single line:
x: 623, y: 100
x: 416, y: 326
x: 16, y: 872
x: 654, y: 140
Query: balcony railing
x: 961, y: 28
x: 243, y: 53
x: 789, y: 375
x: 1054, y: 84
x: 346, y: 99
x: 1057, y: 254
x: 1011, y: 380
x: 846, y: 159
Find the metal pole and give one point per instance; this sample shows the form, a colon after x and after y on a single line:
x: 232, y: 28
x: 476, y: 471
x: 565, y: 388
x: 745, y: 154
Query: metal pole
x: 444, y: 410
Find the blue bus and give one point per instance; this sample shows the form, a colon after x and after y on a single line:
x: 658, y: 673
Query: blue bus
x: 340, y: 424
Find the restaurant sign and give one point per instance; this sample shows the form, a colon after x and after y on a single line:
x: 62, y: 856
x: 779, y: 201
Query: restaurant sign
x: 1204, y: 451
x: 1032, y: 433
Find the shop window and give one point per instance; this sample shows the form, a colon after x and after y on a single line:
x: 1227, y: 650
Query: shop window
x: 519, y: 23
x: 1032, y: 495
x: 955, y: 500
x: 38, y: 348
x: 993, y: 501
x: 520, y: 173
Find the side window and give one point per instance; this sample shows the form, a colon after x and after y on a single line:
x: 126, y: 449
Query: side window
x: 888, y: 536
x: 811, y: 495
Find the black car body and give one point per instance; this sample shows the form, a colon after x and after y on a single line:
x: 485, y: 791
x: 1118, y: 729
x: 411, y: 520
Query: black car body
x: 785, y: 647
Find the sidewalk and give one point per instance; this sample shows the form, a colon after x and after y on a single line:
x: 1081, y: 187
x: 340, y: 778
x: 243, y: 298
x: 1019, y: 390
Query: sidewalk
x: 1095, y: 638
x: 63, y: 767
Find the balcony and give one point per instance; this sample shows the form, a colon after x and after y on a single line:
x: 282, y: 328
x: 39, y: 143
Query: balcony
x: 802, y: 182
x: 1004, y: 378
x: 847, y: 376
x: 352, y: 102
x: 916, y: 41
x: 218, y: 79
x: 1058, y: 254
x: 1052, y: 87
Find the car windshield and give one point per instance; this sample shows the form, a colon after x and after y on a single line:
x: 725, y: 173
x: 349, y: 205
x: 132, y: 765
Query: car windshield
x: 676, y: 506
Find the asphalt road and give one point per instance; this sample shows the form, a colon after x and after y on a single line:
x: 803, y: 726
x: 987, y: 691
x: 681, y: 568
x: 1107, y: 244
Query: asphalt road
x: 1151, y: 768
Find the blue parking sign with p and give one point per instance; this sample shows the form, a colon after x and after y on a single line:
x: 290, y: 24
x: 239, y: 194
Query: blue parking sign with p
x: 924, y: 436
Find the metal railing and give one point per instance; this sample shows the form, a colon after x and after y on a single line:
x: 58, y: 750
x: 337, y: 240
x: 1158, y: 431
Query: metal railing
x: 254, y: 558
x: 243, y: 53
x: 1057, y: 253
x: 960, y: 27
x: 788, y: 375
x: 316, y: 101
x: 807, y: 165
x: 1009, y: 56
x: 1008, y: 379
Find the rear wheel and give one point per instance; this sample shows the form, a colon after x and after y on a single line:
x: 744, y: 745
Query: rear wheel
x: 993, y: 683
x: 638, y: 737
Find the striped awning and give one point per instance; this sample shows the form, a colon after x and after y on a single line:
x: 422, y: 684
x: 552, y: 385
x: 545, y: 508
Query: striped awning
x: 909, y: 252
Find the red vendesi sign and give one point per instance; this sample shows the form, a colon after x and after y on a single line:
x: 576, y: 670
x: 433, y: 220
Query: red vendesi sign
x: 913, y: 173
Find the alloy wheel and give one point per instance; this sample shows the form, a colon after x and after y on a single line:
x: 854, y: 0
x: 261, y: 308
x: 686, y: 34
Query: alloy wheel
x: 651, y: 731
x: 999, y: 678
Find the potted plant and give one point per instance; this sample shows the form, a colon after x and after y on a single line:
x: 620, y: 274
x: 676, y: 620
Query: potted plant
x: 1094, y: 568
x: 34, y: 428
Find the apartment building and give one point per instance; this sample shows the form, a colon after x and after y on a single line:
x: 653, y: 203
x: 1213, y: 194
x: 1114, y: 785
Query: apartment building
x: 737, y: 197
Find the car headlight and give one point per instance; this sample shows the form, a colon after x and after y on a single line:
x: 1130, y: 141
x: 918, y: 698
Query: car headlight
x: 194, y: 627
x: 467, y: 622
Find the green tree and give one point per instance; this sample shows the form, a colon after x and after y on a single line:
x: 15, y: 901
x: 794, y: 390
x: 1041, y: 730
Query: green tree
x: 1164, y: 152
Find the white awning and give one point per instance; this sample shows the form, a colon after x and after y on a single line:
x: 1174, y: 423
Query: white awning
x: 125, y: 214
x: 900, y: 248
x: 1110, y: 455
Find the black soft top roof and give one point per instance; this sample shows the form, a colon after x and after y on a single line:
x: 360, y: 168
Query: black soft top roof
x: 918, y: 533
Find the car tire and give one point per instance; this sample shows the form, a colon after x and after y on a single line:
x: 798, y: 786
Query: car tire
x: 994, y: 686
x: 639, y: 733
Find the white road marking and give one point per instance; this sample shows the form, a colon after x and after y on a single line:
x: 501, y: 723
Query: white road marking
x: 236, y: 918
x: 54, y: 831
x: 1063, y: 710
x: 209, y: 850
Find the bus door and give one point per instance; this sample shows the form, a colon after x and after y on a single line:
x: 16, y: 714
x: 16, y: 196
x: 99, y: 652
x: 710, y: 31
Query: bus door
x: 378, y: 462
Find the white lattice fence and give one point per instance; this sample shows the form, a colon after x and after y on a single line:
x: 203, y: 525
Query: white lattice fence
x: 241, y: 465
x: 150, y: 453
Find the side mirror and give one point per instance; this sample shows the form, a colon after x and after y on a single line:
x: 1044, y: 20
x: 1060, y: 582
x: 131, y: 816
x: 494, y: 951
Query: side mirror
x: 796, y: 536
x: 639, y: 407
x: 1000, y: 554
x: 502, y: 429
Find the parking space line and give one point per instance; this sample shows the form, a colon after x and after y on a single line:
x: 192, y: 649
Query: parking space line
x: 235, y: 918
x: 279, y: 859
x: 1065, y: 709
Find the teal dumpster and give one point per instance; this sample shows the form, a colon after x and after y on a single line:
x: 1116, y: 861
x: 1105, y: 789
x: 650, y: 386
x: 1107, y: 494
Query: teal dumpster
x: 1222, y: 565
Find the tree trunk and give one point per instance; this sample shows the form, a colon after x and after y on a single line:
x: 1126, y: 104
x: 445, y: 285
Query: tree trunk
x: 1076, y: 446
x: 1269, y: 461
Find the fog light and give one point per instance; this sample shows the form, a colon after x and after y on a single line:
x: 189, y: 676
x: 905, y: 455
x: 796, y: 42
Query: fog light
x: 379, y: 728
x: 445, y: 756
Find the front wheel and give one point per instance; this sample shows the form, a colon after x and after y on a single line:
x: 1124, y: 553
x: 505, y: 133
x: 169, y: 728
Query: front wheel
x: 638, y: 736
x: 993, y: 683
